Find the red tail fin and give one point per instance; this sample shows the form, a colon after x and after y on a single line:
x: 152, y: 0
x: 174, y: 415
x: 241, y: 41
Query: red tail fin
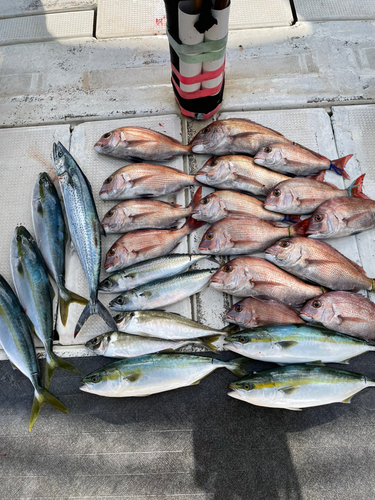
x: 318, y: 177
x: 192, y: 225
x: 300, y: 228
x: 340, y: 164
x: 196, y: 198
x: 356, y: 190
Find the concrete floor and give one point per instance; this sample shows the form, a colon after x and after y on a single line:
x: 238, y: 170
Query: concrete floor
x: 194, y: 443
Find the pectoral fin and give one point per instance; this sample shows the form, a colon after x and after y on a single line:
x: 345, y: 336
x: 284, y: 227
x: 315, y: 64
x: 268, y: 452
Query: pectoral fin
x: 294, y: 409
x: 289, y: 389
x: 287, y: 344
x: 134, y: 377
x: 347, y: 400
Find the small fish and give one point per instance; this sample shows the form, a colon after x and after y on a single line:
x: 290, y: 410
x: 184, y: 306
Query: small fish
x: 299, y: 386
x: 254, y: 312
x: 304, y: 195
x: 130, y: 215
x: 254, y: 277
x: 298, y: 160
x: 296, y: 344
x: 244, y: 235
x: 147, y: 271
x: 84, y: 227
x: 143, y: 180
x: 320, y: 263
x: 163, y: 292
x: 225, y: 203
x: 154, y: 373
x: 163, y: 325
x: 125, y: 345
x: 145, y: 244
x: 35, y: 294
x: 340, y: 217
x: 234, y: 135
x: 343, y: 312
x: 140, y: 143
x: 50, y: 235
x: 16, y: 340
x: 238, y: 173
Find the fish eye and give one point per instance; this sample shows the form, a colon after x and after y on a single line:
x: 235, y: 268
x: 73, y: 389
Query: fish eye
x: 227, y: 268
x: 111, y: 252
x: 108, y: 180
x: 110, y: 213
x: 108, y: 134
x: 247, y: 387
x: 204, y: 131
x: 284, y: 244
x: 276, y: 192
x: 106, y: 283
x: 205, y: 201
x: 18, y: 237
x: 318, y: 218
x: 317, y: 304
x: 238, y: 308
x: 60, y: 153
x: 242, y: 340
x: 95, y: 379
x: 120, y: 301
x: 210, y: 235
x: 267, y: 149
x: 212, y: 163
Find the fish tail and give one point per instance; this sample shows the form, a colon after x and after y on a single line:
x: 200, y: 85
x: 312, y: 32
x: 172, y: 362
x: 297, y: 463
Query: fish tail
x: 66, y: 297
x: 237, y: 366
x: 339, y: 165
x: 209, y: 342
x: 318, y: 177
x: 195, y: 200
x: 355, y: 189
x: 192, y: 225
x: 230, y: 329
x: 291, y: 218
x: 41, y: 397
x: 53, y: 362
x: 299, y: 229
x: 94, y: 307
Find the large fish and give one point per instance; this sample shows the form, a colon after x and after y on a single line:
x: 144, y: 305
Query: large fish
x: 299, y: 386
x: 35, y: 294
x: 50, y: 235
x: 320, y: 263
x: 148, y: 270
x: 142, y: 180
x: 141, y: 213
x: 155, y: 373
x: 295, y: 159
x: 244, y: 235
x: 125, y: 345
x: 304, y: 195
x: 16, y: 340
x: 140, y: 143
x: 255, y: 277
x: 296, y: 344
x: 239, y: 173
x: 234, y: 135
x: 344, y: 312
x: 84, y: 227
x: 254, y: 312
x: 342, y: 217
x: 225, y: 203
x: 145, y: 244
x: 163, y: 325
x: 163, y: 292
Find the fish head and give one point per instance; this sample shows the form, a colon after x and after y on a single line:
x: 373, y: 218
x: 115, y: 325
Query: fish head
x: 116, y: 257
x: 257, y: 389
x: 22, y: 242
x: 114, y: 219
x: 285, y: 252
x: 99, y: 344
x: 115, y: 185
x: 231, y: 276
x: 323, y: 224
x: 215, y: 240
x: 108, y: 142
x: 269, y: 156
x: 44, y: 185
x: 62, y: 159
x: 124, y: 319
x: 210, y: 208
x: 237, y: 341
x: 209, y: 139
x: 243, y: 314
x: 214, y: 171
x: 123, y: 301
x: 108, y: 285
x: 281, y: 199
x: 319, y: 310
x: 104, y: 382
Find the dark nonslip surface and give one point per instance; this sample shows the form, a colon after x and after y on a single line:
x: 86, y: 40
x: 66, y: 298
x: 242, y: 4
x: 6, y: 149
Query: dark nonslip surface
x: 194, y: 443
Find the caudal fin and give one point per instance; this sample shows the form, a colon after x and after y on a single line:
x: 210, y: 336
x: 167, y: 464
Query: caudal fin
x: 318, y: 177
x: 339, y: 165
x: 196, y: 198
x: 53, y: 363
x: 355, y: 189
x: 192, y: 225
x: 300, y: 228
x: 209, y: 342
x: 95, y: 307
x: 65, y: 299
x: 237, y: 366
x: 41, y: 397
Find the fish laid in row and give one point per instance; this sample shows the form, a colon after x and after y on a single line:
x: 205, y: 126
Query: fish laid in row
x: 244, y: 235
x: 141, y: 213
x: 255, y: 277
x: 320, y: 263
x: 16, y: 340
x: 143, y: 180
x: 85, y: 229
x: 140, y: 144
x: 155, y: 373
x: 292, y: 158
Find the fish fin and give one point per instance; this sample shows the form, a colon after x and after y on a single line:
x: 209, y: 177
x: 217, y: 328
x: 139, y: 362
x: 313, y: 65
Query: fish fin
x: 197, y: 381
x: 53, y: 364
x: 244, y: 178
x: 65, y: 299
x: 95, y: 307
x: 41, y: 397
x: 145, y: 249
x: 293, y: 409
x: 192, y: 225
x: 358, y: 267
x: 238, y: 213
x: 209, y: 342
x: 317, y: 155
x: 102, y: 231
x: 39, y: 208
x: 145, y: 294
x: 143, y: 178
x: 300, y: 228
x: 286, y: 344
x: 356, y: 219
x: 339, y: 166
x: 318, y: 177
x: 19, y: 268
x: 289, y: 389
x: 239, y: 243
x: 347, y: 400
x: 230, y: 329
x: 244, y: 135
x: 13, y: 365
x: 237, y: 366
x: 134, y: 377
x: 196, y: 198
x: 144, y: 214
x: 355, y: 189
x: 270, y: 283
x: 345, y: 362
x: 315, y: 363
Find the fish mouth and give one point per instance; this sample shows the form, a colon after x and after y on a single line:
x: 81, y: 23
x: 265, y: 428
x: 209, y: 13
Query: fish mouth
x: 206, y: 250
x: 216, y: 280
x: 85, y: 388
x: 198, y: 148
x: 98, y: 147
x: 267, y: 206
x: 306, y: 317
x: 201, y: 176
x: 234, y: 393
x: 313, y: 235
